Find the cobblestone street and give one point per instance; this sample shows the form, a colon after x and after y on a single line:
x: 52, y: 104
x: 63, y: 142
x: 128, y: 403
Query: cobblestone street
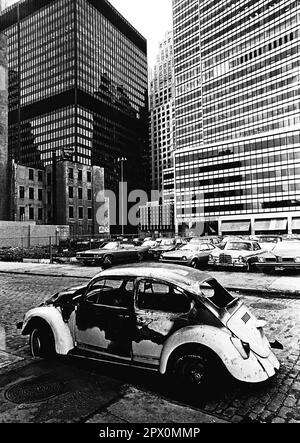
x: 277, y: 401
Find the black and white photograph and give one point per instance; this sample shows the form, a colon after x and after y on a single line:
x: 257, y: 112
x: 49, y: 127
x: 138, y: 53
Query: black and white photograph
x: 149, y: 215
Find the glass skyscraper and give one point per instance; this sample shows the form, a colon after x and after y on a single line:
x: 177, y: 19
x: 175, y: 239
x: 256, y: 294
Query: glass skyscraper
x: 77, y: 86
x: 162, y: 93
x: 237, y: 115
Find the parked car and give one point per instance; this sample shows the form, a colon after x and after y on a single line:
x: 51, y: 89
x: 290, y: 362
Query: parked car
x: 242, y: 254
x: 285, y: 256
x: 175, y: 320
x: 164, y: 245
x: 112, y: 253
x: 194, y: 254
x: 268, y: 242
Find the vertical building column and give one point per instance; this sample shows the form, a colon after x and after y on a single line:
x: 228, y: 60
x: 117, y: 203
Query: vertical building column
x: 3, y: 129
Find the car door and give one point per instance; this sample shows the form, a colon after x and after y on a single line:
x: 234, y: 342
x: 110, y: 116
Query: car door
x: 203, y: 253
x: 160, y: 310
x: 105, y: 318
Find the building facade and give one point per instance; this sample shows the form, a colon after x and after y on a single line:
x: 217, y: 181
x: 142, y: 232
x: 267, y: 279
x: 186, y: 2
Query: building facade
x: 3, y: 128
x: 161, y: 119
x: 70, y: 193
x: 77, y: 86
x: 237, y: 164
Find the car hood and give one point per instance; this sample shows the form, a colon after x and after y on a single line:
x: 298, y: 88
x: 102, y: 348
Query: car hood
x: 162, y: 249
x: 186, y: 253
x: 65, y: 296
x: 244, y: 325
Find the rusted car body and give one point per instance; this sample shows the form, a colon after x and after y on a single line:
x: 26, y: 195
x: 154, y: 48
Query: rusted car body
x: 178, y: 321
x: 242, y: 254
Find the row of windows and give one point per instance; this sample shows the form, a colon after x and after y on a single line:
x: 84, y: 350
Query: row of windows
x: 31, y: 213
x: 81, y: 213
x: 80, y: 195
x: 266, y: 143
x: 250, y: 177
x: 31, y: 193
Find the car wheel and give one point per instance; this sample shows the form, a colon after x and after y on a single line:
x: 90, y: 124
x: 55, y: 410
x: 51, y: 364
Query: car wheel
x: 192, y: 371
x: 107, y: 261
x: 41, y: 342
x: 194, y: 264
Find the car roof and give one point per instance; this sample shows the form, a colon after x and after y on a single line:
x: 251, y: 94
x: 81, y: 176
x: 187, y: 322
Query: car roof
x: 187, y: 278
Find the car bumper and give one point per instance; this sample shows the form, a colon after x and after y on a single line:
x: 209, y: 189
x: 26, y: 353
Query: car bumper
x: 278, y: 266
x: 228, y: 265
x: 176, y: 262
x: 89, y: 260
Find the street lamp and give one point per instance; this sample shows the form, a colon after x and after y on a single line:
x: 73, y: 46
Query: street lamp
x: 122, y: 160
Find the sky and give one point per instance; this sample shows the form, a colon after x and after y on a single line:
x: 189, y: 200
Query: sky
x: 152, y: 18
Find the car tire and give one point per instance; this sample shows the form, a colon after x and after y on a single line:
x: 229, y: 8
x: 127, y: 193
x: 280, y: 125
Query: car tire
x: 192, y: 371
x: 107, y: 261
x: 41, y: 342
x: 195, y: 264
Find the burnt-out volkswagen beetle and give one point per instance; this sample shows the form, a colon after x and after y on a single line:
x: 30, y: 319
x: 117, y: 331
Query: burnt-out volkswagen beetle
x: 175, y: 320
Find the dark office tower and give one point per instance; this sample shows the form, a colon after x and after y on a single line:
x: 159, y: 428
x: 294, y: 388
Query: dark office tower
x: 78, y: 82
x: 3, y: 129
x: 238, y: 115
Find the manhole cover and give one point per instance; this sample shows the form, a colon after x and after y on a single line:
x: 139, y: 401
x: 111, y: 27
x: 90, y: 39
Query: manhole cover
x: 34, y: 390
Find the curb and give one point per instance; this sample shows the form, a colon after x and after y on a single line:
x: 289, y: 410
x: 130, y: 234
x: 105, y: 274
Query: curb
x: 264, y: 293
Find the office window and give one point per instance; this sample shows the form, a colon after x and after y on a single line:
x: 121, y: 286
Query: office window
x: 89, y: 177
x: 71, y: 192
x: 40, y: 195
x: 80, y: 193
x: 31, y: 193
x: 40, y: 214
x: 89, y: 194
x: 80, y: 213
x: 71, y: 173
x: 31, y: 174
x: 80, y: 175
x: 71, y: 212
x: 90, y: 214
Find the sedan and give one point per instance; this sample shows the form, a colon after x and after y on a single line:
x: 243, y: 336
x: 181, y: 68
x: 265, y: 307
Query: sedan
x: 194, y: 254
x: 176, y: 321
x: 112, y: 253
x: 285, y: 256
x: 164, y: 245
x: 241, y: 254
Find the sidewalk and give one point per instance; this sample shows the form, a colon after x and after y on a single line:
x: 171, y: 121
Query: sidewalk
x: 99, y: 402
x: 256, y: 283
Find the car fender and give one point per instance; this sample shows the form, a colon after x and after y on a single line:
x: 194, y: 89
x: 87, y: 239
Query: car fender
x: 219, y: 341
x: 64, y: 342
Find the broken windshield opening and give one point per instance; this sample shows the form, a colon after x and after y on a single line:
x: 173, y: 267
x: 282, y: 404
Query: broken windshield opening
x: 218, y: 295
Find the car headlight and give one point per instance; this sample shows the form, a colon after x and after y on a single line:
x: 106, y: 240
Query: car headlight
x: 211, y: 257
x: 261, y: 260
x: 297, y: 260
x: 241, y: 259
